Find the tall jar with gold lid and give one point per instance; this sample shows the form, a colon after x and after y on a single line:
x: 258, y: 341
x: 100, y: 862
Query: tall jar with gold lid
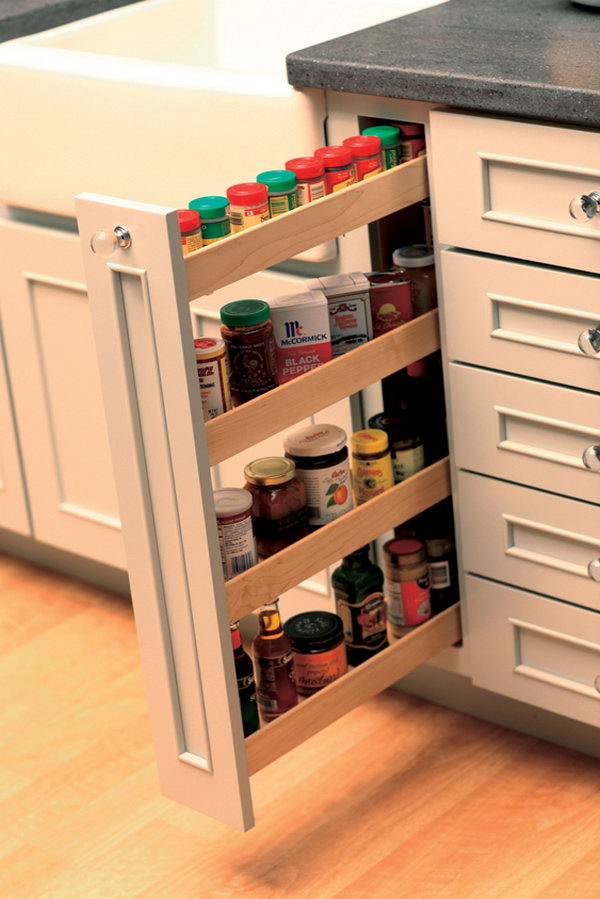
x: 279, y: 510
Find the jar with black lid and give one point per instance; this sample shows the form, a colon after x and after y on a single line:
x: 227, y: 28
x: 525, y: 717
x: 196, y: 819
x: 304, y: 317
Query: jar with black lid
x: 318, y: 649
x: 321, y: 457
x: 279, y: 512
x: 406, y: 442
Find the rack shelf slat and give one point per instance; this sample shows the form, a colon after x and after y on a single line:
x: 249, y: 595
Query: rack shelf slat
x: 268, y: 579
x: 266, y: 415
x: 280, y: 238
x: 351, y: 690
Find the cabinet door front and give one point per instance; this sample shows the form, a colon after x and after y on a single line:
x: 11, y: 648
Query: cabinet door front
x: 13, y: 502
x: 56, y: 389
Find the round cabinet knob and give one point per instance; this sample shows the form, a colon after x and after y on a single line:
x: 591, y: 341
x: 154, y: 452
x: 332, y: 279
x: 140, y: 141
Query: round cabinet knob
x: 594, y: 570
x: 585, y: 207
x: 591, y: 458
x: 105, y: 243
x: 589, y: 342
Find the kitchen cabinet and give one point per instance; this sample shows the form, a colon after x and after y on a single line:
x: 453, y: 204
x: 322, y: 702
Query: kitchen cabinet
x: 14, y: 513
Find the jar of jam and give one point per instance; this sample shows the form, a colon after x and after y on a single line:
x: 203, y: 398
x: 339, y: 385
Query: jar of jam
x: 321, y: 458
x: 406, y: 443
x: 371, y: 464
x: 318, y: 649
x: 406, y: 585
x: 247, y: 330
x: 417, y: 263
x: 391, y: 300
x: 279, y: 511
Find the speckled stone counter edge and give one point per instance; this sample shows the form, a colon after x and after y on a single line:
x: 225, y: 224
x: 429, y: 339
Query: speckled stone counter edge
x: 22, y: 17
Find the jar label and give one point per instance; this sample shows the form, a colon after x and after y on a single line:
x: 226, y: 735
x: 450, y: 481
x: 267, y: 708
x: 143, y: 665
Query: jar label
x: 407, y: 462
x: 245, y: 217
x: 366, y: 168
x: 391, y: 306
x: 236, y: 542
x: 364, y: 621
x: 412, y: 147
x: 214, y: 386
x: 279, y: 205
x: 309, y: 191
x: 350, y: 321
x: 314, y: 670
x: 371, y: 477
x: 275, y: 691
x: 408, y: 602
x: 275, y: 529
x: 328, y: 492
x: 302, y: 341
x: 191, y: 242
x: 340, y: 179
x: 252, y: 366
x: 439, y: 575
x: 390, y: 157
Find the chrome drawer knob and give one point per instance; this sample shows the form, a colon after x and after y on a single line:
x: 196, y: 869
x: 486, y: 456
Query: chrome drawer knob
x: 585, y: 207
x: 589, y: 342
x: 594, y: 570
x: 591, y: 458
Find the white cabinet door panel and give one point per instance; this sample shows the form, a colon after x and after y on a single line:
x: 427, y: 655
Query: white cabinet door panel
x: 56, y: 388
x: 505, y: 187
x: 528, y: 538
x: 525, y: 431
x: 14, y: 514
x: 534, y: 649
x: 520, y: 318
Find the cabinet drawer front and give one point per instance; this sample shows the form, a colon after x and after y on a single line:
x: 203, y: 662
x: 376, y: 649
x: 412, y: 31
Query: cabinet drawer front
x: 520, y: 318
x: 534, y: 649
x: 515, y: 183
x: 525, y: 431
x: 528, y: 538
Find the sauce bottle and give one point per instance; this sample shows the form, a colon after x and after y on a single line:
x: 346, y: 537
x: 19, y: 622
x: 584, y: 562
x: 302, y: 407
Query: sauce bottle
x: 358, y: 588
x: 245, y: 682
x: 247, y: 331
x: 276, y: 691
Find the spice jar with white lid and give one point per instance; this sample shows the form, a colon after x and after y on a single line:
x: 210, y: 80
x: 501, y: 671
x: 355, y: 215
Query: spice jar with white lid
x: 321, y: 457
x: 418, y: 262
x: 279, y: 512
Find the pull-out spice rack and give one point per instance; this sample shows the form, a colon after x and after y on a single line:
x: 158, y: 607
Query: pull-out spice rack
x: 163, y: 451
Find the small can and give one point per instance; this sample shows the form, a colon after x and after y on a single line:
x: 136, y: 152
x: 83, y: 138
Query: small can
x: 391, y: 300
x: 248, y: 205
x: 321, y: 457
x: 214, y: 221
x: 406, y: 582
x: 366, y: 151
x: 213, y: 377
x: 339, y: 167
x: 233, y: 506
x: 310, y: 178
x: 281, y: 185
x: 318, y: 650
x: 372, y: 471
x: 391, y: 147
x: 191, y: 232
x: 349, y: 305
x: 301, y: 333
x: 412, y: 137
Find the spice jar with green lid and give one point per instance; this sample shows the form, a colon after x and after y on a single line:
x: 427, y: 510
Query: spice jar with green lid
x: 391, y: 144
x: 281, y: 185
x: 247, y: 331
x: 215, y: 224
x: 279, y: 511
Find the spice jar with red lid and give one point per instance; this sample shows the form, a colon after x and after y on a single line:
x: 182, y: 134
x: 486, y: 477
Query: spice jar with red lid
x: 247, y: 331
x: 191, y: 232
x: 366, y: 152
x: 279, y: 511
x: 248, y: 205
x: 310, y: 178
x: 339, y: 167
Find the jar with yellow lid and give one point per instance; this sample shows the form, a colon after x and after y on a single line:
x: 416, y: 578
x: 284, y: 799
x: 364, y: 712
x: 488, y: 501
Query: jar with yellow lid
x: 279, y: 510
x: 372, y: 471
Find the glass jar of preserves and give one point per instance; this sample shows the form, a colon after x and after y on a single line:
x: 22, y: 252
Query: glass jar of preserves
x: 318, y: 649
x: 417, y: 262
x: 321, y: 457
x: 371, y: 464
x: 279, y: 510
x: 247, y: 330
x: 406, y: 585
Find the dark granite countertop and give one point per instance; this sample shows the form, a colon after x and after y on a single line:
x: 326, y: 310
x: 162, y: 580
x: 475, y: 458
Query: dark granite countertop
x: 21, y: 17
x: 532, y: 58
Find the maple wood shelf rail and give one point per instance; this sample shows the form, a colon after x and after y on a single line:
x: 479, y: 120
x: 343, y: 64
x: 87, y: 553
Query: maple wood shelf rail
x: 266, y: 415
x: 292, y: 565
x: 354, y: 688
x: 280, y: 238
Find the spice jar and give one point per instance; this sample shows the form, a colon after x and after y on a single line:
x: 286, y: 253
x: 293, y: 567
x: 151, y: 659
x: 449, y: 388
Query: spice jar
x: 310, y: 178
x: 371, y: 464
x: 406, y: 584
x: 321, y: 457
x: 366, y: 152
x: 412, y: 137
x: 417, y: 262
x: 279, y: 512
x: 215, y: 224
x: 233, y: 506
x: 406, y: 443
x: 248, y: 205
x: 391, y: 300
x: 211, y: 365
x: 391, y: 149
x: 247, y: 331
x: 318, y: 650
x: 281, y: 185
x: 189, y: 226
x: 339, y: 167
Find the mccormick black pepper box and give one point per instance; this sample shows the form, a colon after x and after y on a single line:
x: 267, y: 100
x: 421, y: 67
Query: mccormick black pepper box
x: 301, y: 331
x: 349, y: 306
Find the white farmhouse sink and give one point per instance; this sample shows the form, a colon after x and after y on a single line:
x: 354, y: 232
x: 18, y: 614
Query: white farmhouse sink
x: 164, y: 100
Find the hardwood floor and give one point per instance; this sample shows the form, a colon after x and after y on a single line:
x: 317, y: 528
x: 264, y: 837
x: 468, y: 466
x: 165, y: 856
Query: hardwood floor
x: 400, y: 798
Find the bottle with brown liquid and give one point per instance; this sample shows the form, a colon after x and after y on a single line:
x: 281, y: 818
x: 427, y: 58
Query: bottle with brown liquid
x: 276, y: 691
